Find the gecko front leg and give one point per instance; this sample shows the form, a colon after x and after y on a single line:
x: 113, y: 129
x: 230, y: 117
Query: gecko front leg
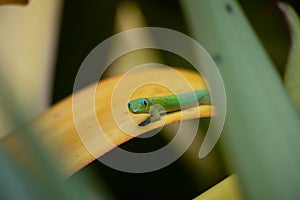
x: 154, y: 112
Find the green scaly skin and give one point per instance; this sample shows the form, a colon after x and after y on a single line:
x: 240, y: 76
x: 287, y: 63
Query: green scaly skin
x: 156, y: 106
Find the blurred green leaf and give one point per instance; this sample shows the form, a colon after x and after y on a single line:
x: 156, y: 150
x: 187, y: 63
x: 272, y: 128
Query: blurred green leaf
x: 262, y: 128
x: 18, y: 183
x: 292, y: 71
x: 33, y: 175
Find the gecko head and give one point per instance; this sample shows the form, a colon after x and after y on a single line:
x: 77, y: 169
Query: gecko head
x: 140, y: 105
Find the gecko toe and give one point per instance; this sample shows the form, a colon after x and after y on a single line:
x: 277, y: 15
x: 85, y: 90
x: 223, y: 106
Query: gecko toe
x: 144, y: 123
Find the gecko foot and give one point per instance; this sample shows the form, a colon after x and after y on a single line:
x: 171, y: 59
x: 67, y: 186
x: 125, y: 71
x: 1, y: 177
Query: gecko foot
x: 145, y: 122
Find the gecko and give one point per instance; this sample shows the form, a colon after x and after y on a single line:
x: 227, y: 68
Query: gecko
x: 156, y: 106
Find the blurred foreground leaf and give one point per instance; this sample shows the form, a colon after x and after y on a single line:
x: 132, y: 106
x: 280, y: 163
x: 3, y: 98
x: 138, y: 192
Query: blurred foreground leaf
x: 262, y: 128
x: 292, y: 71
x: 2, y: 2
x: 226, y: 189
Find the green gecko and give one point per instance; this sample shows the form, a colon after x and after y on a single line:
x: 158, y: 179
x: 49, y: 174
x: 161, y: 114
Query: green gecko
x: 156, y: 106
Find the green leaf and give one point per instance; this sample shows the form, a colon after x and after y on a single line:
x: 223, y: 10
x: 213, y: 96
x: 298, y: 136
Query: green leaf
x: 292, y: 70
x: 262, y: 127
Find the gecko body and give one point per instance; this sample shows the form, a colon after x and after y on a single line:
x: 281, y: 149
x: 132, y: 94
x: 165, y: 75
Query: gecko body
x: 155, y: 106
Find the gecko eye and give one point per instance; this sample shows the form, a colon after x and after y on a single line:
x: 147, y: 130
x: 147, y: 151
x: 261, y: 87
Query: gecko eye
x: 128, y: 104
x: 144, y: 102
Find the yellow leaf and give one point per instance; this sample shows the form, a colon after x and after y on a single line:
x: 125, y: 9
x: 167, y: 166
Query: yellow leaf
x: 56, y: 128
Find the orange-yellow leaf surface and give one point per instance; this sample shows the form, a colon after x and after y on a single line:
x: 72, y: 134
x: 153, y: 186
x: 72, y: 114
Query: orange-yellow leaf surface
x: 77, y: 130
x: 226, y: 189
x: 13, y: 2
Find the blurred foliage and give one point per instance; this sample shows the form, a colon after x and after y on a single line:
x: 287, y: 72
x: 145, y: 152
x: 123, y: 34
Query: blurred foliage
x: 86, y: 24
x: 292, y: 71
x: 256, y: 102
x: 266, y: 21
